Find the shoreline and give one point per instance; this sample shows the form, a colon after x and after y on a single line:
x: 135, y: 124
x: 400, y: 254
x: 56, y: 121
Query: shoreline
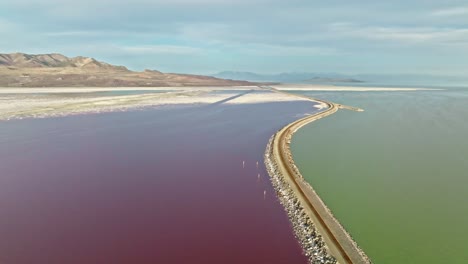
x: 54, y: 102
x: 26, y: 90
x: 335, y: 88
x: 278, y: 158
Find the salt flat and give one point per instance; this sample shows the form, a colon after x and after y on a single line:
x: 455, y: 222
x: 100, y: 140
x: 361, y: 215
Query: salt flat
x: 17, y: 103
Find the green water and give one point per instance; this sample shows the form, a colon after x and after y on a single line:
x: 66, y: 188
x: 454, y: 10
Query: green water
x: 396, y: 175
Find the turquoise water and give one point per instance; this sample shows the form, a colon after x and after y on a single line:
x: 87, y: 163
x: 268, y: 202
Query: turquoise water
x: 396, y: 175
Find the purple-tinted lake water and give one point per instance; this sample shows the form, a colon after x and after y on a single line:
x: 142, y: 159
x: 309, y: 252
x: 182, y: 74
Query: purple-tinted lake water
x: 162, y: 185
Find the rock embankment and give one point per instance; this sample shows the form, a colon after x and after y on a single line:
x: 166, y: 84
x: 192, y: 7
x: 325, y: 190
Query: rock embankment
x: 311, y: 218
x: 312, y: 243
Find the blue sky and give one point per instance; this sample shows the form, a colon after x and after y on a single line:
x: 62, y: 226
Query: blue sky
x: 266, y: 36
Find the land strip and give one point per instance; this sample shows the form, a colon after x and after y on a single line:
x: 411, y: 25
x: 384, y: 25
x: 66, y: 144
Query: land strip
x: 338, y: 242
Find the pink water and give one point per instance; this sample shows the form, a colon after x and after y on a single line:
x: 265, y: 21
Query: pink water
x: 163, y: 185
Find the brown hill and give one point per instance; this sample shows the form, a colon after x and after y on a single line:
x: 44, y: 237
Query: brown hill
x: 21, y: 60
x: 56, y: 70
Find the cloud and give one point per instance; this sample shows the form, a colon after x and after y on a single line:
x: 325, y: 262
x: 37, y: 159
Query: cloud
x: 277, y: 50
x: 7, y: 26
x: 226, y: 33
x: 77, y: 33
x: 98, y: 34
x: 162, y: 49
x: 421, y: 35
x: 454, y: 11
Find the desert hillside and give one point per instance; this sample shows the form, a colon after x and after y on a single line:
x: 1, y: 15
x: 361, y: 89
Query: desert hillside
x: 56, y: 70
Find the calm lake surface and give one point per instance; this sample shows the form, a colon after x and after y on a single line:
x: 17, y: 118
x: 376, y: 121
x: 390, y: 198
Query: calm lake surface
x: 396, y: 175
x: 163, y: 185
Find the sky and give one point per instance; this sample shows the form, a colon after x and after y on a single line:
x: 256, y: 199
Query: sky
x: 264, y: 36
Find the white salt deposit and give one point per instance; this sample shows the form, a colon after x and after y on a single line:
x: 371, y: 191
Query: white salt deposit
x: 45, y: 102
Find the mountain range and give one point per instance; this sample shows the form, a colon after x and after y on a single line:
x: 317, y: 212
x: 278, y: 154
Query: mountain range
x: 57, y: 70
x: 417, y: 80
x: 288, y: 77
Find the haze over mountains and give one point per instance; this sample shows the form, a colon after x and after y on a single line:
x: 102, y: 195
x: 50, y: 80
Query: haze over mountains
x: 56, y: 70
x: 338, y: 78
x: 286, y: 77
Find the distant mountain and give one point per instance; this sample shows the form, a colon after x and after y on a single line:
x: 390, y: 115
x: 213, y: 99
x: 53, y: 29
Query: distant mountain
x: 291, y: 77
x: 417, y: 80
x: 21, y: 60
x: 56, y: 70
x: 242, y: 76
x: 414, y: 80
x: 333, y: 80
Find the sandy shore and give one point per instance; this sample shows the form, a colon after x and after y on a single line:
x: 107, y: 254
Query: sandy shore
x: 17, y: 103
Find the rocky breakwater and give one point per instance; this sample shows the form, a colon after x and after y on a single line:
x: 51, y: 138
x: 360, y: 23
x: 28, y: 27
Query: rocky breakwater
x: 312, y: 243
x: 323, y: 238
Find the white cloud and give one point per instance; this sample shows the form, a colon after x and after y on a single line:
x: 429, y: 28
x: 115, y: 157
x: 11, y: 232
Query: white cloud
x: 7, y: 26
x: 221, y: 33
x: 116, y: 3
x: 162, y: 49
x: 77, y: 33
x: 455, y: 11
x: 427, y: 35
x: 100, y: 33
x: 277, y: 50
